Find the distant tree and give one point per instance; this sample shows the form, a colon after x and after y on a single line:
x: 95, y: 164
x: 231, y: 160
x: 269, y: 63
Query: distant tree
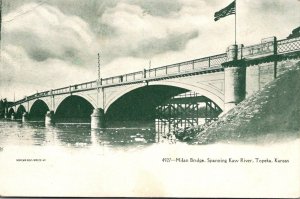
x: 1, y: 108
x: 295, y: 33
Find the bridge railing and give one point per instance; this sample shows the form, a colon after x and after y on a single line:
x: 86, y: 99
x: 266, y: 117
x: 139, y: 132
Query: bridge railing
x: 84, y: 86
x: 60, y: 90
x: 288, y: 45
x: 191, y: 65
x: 270, y: 46
x: 265, y: 48
x: 72, y: 88
x: 123, y: 78
x: 217, y: 60
x: 131, y: 76
x: 187, y: 66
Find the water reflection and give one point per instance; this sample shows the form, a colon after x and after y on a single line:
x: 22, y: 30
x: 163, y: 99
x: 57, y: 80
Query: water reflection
x: 72, y: 135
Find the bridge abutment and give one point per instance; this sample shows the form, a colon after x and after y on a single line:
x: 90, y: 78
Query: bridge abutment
x: 234, y: 78
x: 49, y: 118
x: 98, y: 119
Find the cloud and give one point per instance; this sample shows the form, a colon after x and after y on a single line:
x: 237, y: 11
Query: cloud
x: 45, y: 49
x: 154, y: 46
x: 21, y: 74
x: 121, y: 29
x: 144, y: 35
x: 158, y: 8
x: 48, y: 33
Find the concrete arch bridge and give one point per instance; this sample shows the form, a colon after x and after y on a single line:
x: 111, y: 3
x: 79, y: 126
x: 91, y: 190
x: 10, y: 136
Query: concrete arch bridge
x: 224, y: 79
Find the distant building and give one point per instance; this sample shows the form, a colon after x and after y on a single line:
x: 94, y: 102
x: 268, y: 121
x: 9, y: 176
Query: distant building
x: 295, y: 33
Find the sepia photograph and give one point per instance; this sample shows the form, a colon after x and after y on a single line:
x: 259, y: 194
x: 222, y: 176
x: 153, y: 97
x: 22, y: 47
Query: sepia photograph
x: 150, y: 98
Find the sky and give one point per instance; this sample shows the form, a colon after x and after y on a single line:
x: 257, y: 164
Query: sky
x: 54, y: 43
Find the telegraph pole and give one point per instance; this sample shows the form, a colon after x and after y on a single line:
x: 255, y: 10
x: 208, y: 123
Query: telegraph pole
x: 99, y: 74
x: 98, y: 79
x: 97, y: 117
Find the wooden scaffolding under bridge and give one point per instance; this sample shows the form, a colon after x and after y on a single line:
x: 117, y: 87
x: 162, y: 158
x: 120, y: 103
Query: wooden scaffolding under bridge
x: 185, y: 110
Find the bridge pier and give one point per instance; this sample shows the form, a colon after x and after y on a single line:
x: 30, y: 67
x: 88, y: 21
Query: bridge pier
x: 5, y: 112
x: 12, y: 116
x: 25, y: 117
x: 234, y: 78
x: 49, y: 118
x: 97, y: 119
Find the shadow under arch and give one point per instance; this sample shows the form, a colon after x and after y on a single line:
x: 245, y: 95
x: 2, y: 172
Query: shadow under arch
x: 38, y: 109
x: 138, y: 105
x: 21, y: 109
x: 74, y: 108
x: 11, y: 111
x: 209, y: 92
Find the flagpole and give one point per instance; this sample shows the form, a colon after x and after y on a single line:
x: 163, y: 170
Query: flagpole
x: 228, y: 10
x: 235, y: 23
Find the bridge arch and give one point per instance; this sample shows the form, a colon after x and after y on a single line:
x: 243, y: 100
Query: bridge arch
x: 11, y: 111
x: 88, y: 98
x: 38, y: 109
x: 115, y: 97
x: 208, y: 91
x: 138, y: 104
x: 74, y: 107
x: 20, y: 110
x: 21, y: 106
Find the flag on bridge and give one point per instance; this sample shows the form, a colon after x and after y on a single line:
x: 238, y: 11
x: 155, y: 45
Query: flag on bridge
x: 228, y: 10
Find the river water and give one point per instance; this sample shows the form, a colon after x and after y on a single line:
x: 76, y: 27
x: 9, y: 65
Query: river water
x: 71, y: 160
x: 73, y: 135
